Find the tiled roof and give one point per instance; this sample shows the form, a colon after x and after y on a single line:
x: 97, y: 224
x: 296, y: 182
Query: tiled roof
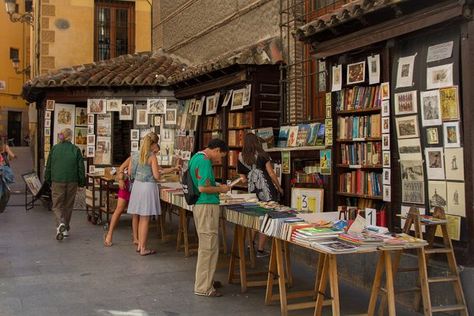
x: 140, y: 69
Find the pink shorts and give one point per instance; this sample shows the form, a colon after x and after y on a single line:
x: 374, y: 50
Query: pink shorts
x: 125, y: 193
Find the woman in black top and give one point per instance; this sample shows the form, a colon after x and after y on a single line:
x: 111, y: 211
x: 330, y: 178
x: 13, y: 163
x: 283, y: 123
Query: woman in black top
x: 255, y: 167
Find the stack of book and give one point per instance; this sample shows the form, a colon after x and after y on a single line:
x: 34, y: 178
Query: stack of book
x: 402, y: 241
x: 249, y: 215
x: 359, y: 127
x: 266, y: 134
x: 334, y: 246
x: 363, y: 240
x: 212, y: 123
x: 307, y: 235
x: 274, y: 220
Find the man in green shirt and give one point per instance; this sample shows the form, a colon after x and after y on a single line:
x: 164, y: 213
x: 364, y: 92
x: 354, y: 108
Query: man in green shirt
x: 65, y: 172
x: 206, y: 214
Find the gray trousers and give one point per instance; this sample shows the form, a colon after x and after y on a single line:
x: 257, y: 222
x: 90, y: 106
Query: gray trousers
x: 63, y: 195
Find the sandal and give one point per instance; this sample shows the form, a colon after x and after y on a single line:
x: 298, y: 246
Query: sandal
x: 148, y: 252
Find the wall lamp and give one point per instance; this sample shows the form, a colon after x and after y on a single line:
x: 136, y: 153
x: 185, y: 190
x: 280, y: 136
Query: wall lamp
x: 10, y: 7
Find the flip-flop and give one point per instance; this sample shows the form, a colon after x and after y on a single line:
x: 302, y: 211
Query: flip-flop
x: 148, y: 252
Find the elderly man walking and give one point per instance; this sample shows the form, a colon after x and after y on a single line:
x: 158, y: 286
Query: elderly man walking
x: 65, y: 172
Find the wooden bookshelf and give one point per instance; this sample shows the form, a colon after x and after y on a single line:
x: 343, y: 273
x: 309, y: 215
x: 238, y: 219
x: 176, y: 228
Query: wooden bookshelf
x: 362, y: 196
x: 359, y: 111
x: 302, y: 148
x: 359, y: 166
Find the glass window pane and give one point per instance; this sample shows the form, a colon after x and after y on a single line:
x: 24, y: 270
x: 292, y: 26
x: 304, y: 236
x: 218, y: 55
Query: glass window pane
x: 121, y: 31
x: 103, y: 33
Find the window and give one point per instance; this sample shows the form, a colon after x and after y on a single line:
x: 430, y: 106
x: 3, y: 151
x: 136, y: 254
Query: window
x: 317, y: 8
x: 14, y: 53
x: 114, y: 29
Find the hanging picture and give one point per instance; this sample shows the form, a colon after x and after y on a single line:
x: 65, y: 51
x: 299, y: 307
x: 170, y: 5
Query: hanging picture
x: 285, y: 162
x: 325, y: 161
x: 227, y: 97
x: 247, y: 95
x: 437, y: 194
x: 113, y: 105
x: 385, y: 90
x: 90, y: 129
x: 405, y: 71
x: 157, y: 120
x: 454, y: 163
x: 91, y: 140
x: 413, y: 190
x: 90, y: 119
x: 211, y: 105
x: 451, y: 134
x: 64, y: 117
x: 434, y: 163
x: 449, y: 100
x: 104, y: 124
x: 456, y: 198
x: 91, y: 169
x: 237, y: 99
x: 385, y: 108
x: 356, y: 72
x: 336, y: 78
x: 192, y: 106
x: 80, y: 139
x: 440, y: 52
x: 47, y: 131
x: 387, y: 193
x: 309, y: 200
x: 432, y: 137
x: 322, y: 76
x: 155, y: 106
x: 134, y: 145
x: 47, y: 123
x: 134, y: 134
x: 81, y: 117
x: 439, y: 77
x: 90, y: 151
x: 430, y: 108
x: 103, y: 151
x: 406, y: 103
x: 47, y: 115
x: 386, y: 141
x: 409, y: 149
x: 50, y: 105
x: 386, y: 159
x: 407, y: 127
x: 126, y: 112
x: 167, y: 135
x: 142, y: 117
x: 170, y: 116
x: 96, y: 106
x: 386, y: 176
x: 385, y: 125
x: 373, y: 63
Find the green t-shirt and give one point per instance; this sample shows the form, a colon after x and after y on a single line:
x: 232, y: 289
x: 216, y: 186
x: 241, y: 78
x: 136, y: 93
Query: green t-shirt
x: 202, y: 174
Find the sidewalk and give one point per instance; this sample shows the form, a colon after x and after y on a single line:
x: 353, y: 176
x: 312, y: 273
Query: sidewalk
x: 41, y: 276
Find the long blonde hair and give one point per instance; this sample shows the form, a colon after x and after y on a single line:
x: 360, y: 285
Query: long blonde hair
x: 145, y: 147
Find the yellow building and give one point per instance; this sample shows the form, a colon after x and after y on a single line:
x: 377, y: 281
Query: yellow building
x: 14, y: 44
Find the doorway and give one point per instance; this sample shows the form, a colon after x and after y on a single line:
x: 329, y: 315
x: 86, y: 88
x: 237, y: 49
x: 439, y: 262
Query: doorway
x: 14, y: 128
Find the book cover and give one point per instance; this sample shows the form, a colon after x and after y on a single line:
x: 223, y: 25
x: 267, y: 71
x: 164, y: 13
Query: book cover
x: 266, y: 134
x: 283, y: 136
x: 320, y: 137
x: 292, y: 136
x: 313, y: 134
x: 303, y: 132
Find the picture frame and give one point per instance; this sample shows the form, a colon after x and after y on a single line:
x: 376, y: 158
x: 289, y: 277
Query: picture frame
x: 126, y: 112
x: 81, y: 116
x: 134, y: 146
x: 407, y: 127
x: 156, y: 106
x: 454, y: 163
x: 91, y: 140
x: 33, y: 182
x: 385, y: 91
x: 439, y: 76
x: 237, y: 99
x: 90, y: 119
x: 386, y: 176
x: 157, y: 120
x: 90, y: 151
x: 386, y: 159
x: 385, y: 141
x: 47, y: 123
x: 211, y: 105
x: 336, y: 77
x: 47, y: 131
x: 449, y: 103
x: 432, y: 137
x: 406, y: 102
x: 434, y: 157
x: 385, y: 125
x: 142, y: 117
x: 430, y: 108
x: 452, y: 135
x: 227, y: 97
x: 96, y: 106
x: 356, y: 73
x: 114, y: 105
x: 385, y: 108
x: 307, y: 199
x: 373, y: 65
x: 134, y: 134
x: 47, y: 115
x: 50, y: 105
x: 170, y: 116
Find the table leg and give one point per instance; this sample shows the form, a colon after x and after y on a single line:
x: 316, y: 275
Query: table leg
x: 180, y: 230
x: 281, y: 277
x: 376, y: 285
x: 243, y: 268
x: 224, y: 235
x: 233, y: 256
x: 389, y: 283
x: 333, y: 281
x: 288, y: 264
x: 322, y: 285
x: 185, y: 233
x: 272, y: 272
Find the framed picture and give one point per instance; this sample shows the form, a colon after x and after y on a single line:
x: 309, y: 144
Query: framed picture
x: 90, y: 119
x: 156, y: 106
x: 32, y: 182
x: 157, y: 120
x: 170, y: 116
x: 385, y: 108
x: 407, y: 127
x: 449, y: 100
x: 373, y: 63
x: 454, y: 163
x: 96, y: 106
x: 247, y: 94
x: 47, y: 123
x: 211, y: 105
x: 385, y: 90
x: 386, y: 176
x: 227, y: 97
x: 439, y: 76
x: 405, y: 71
x: 126, y: 112
x: 435, y: 163
x: 81, y: 117
x: 456, y: 198
x: 385, y: 125
x: 47, y: 131
x: 356, y: 72
x: 91, y: 140
x: 114, y: 105
x: 386, y: 159
x: 336, y: 77
x: 430, y: 108
x: 64, y: 117
x: 47, y: 115
x: 406, y: 103
x: 409, y: 149
x: 387, y: 193
x: 437, y: 194
x: 451, y: 134
x: 134, y: 145
x: 50, y: 105
x: 90, y: 151
x: 309, y: 200
x: 325, y: 161
x: 237, y: 99
x: 134, y: 134
x: 90, y: 129
x: 104, y: 124
x: 103, y: 151
x: 142, y: 117
x: 432, y: 137
x: 386, y: 142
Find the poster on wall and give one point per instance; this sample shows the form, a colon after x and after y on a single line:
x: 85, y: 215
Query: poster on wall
x: 413, y: 185
x: 439, y: 76
x: 80, y: 139
x: 81, y: 117
x: 104, y: 125
x: 430, y: 108
x: 374, y: 68
x: 405, y: 71
x: 102, y: 151
x: 454, y: 163
x: 64, y: 117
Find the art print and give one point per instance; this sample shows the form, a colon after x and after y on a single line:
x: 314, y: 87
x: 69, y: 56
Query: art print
x: 47, y: 123
x: 356, y: 72
x: 336, y: 78
x: 411, y: 170
x: 167, y: 135
x: 81, y: 117
x: 211, y: 105
x: 103, y: 151
x: 50, y: 105
x: 386, y: 141
x: 385, y: 125
x: 413, y: 190
x: 170, y: 116
x: 432, y: 137
x: 227, y: 98
x: 90, y: 151
x: 142, y: 117
x: 285, y: 162
x: 91, y: 140
x: 237, y: 99
x: 387, y: 193
x: 456, y: 198
x: 386, y: 159
x: 454, y: 163
x: 134, y: 134
x: 451, y: 135
x: 321, y: 76
x: 437, y: 194
x: 440, y: 52
x: 247, y: 94
x: 407, y: 127
x: 80, y: 139
x: 126, y: 112
x: 439, y: 77
x: 373, y: 63
x: 325, y: 161
x: 64, y: 117
x: 157, y: 120
x: 405, y: 71
x: 406, y: 102
x: 307, y: 199
x: 96, y: 106
x: 134, y: 146
x: 91, y: 169
x: 114, y: 105
x: 385, y: 90
x: 449, y: 99
x: 104, y: 124
x: 385, y: 108
x: 409, y: 149
x: 430, y: 108
x: 47, y: 131
x: 328, y: 100
x: 386, y: 176
x: 47, y: 115
x: 90, y: 119
x: 435, y: 163
x: 192, y: 106
x: 156, y: 106
x: 90, y: 129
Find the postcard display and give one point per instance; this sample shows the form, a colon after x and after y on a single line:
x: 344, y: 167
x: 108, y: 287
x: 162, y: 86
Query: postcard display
x: 427, y: 122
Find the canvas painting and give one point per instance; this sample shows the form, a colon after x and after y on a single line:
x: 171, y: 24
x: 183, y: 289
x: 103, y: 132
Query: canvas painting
x: 454, y: 163
x: 50, y: 105
x: 373, y: 63
x: 356, y: 72
x: 126, y: 112
x: 385, y: 90
x: 96, y: 106
x: 449, y: 100
x: 409, y: 149
x: 156, y: 106
x: 114, y: 105
x: 439, y: 77
x: 142, y: 117
x: 407, y: 127
x: 430, y: 108
x: 336, y: 78
x: 432, y: 137
x: 237, y: 99
x: 451, y: 134
x: 406, y: 103
x: 170, y: 116
x: 64, y: 117
x: 103, y: 151
x: 435, y: 163
x: 405, y: 71
x: 437, y: 194
x: 456, y: 198
x: 81, y: 117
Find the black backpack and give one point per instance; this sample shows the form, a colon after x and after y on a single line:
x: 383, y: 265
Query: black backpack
x: 191, y: 193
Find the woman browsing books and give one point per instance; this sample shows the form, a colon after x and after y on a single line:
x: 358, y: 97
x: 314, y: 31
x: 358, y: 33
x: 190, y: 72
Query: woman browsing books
x: 255, y: 167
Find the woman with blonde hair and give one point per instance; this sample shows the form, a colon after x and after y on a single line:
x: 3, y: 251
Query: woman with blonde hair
x: 145, y: 197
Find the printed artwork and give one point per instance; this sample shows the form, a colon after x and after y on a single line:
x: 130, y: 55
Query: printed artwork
x: 413, y: 190
x: 385, y: 125
x: 247, y: 94
x: 451, y: 134
x: 47, y: 131
x: 134, y: 134
x: 407, y: 126
x: 238, y: 99
x: 437, y: 194
x: 90, y: 129
x: 387, y: 193
x: 142, y: 117
x: 456, y: 198
x: 170, y: 116
x: 373, y: 63
x: 309, y: 200
x: 155, y: 106
x: 406, y: 103
x: 285, y: 162
x: 90, y: 151
x: 114, y: 105
x: 134, y: 145
x: 104, y: 124
x: 386, y: 141
x: 356, y: 73
x: 405, y: 71
x: 211, y: 105
x: 90, y: 119
x: 409, y: 149
x: 386, y: 159
x: 435, y: 163
x: 386, y: 176
x: 385, y: 108
x: 50, y: 105
x: 336, y: 78
x: 80, y: 139
x: 157, y: 120
x: 449, y: 100
x: 385, y: 90
x: 454, y: 163
x: 64, y: 117
x: 47, y: 115
x: 91, y: 140
x: 440, y: 52
x: 439, y: 77
x: 430, y: 108
x: 325, y: 161
x: 126, y: 112
x: 167, y: 135
x: 227, y: 97
x: 81, y: 117
x: 96, y: 106
x: 432, y: 137
x: 103, y: 151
